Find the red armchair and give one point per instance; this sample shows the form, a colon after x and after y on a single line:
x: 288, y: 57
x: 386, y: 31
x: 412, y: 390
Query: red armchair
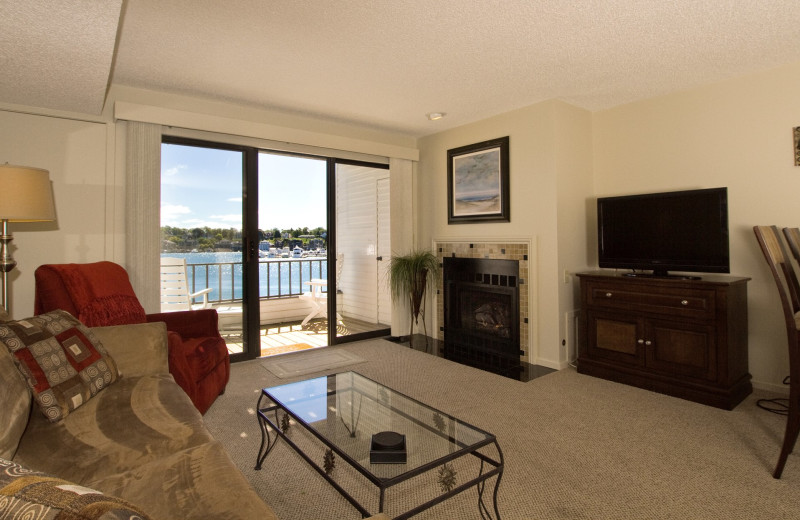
x: 100, y: 294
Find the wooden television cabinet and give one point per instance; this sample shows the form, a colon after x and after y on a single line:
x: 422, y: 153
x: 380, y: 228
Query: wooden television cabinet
x: 681, y: 337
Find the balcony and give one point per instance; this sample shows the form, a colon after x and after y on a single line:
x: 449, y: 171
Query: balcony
x: 281, y: 283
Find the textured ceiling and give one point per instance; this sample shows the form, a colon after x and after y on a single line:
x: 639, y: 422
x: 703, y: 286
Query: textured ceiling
x: 57, y: 54
x: 385, y: 64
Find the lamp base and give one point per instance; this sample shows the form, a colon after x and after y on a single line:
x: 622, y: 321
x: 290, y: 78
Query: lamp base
x: 7, y: 262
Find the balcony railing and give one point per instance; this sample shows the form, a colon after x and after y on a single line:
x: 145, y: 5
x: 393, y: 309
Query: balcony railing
x: 278, y: 278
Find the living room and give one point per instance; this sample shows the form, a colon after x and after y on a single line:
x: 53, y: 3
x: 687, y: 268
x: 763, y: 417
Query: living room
x: 728, y: 131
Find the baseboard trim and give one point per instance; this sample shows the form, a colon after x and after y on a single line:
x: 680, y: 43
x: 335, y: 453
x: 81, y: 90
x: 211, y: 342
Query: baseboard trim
x: 771, y: 387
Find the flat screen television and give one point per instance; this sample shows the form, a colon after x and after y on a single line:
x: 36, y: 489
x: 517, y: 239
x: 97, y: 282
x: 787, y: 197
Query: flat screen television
x: 685, y: 231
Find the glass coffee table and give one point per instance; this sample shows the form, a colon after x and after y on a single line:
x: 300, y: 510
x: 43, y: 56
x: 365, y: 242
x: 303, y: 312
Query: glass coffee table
x: 415, y: 455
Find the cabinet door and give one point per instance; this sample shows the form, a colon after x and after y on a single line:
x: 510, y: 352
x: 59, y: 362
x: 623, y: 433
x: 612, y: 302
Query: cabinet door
x: 680, y: 348
x: 614, y: 337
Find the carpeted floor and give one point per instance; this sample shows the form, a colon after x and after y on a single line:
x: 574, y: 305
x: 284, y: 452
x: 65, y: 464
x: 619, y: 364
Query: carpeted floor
x: 575, y: 447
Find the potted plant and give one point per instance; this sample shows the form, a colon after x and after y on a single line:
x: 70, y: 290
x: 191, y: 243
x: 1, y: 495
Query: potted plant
x: 409, y: 276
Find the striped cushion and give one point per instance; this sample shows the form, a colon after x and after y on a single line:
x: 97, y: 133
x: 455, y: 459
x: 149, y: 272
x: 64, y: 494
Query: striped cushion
x: 31, y: 494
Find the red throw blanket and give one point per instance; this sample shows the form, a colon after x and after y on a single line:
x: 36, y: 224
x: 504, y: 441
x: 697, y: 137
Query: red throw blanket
x: 102, y: 293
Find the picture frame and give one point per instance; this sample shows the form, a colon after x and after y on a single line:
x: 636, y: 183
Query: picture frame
x: 796, y: 133
x: 478, y: 182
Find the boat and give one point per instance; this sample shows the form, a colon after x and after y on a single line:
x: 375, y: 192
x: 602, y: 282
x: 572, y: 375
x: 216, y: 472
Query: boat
x: 297, y: 252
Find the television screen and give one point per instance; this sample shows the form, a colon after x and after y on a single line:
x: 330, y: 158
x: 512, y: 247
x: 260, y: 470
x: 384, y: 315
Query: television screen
x: 661, y: 232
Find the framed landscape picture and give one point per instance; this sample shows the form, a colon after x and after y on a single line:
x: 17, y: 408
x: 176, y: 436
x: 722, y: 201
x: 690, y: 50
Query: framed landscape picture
x: 477, y: 182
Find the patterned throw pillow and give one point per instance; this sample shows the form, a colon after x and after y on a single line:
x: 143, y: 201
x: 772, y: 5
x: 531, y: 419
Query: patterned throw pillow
x: 63, y: 362
x: 31, y: 494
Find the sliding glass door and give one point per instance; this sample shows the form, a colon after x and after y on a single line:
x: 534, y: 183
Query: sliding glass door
x: 202, y: 225
x: 291, y: 250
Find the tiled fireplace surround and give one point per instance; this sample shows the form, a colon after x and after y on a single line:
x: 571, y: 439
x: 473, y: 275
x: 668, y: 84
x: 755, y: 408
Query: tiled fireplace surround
x: 501, y: 250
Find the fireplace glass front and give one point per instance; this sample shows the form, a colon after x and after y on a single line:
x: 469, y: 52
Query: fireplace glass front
x: 481, y: 313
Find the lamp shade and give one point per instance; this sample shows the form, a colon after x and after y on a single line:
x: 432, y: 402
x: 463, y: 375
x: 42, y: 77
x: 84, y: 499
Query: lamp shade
x: 26, y: 194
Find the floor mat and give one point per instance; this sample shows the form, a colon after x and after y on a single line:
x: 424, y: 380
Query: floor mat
x: 301, y: 363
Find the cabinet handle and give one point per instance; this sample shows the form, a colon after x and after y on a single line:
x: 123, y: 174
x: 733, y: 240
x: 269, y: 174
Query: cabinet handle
x: 640, y: 342
x: 648, y: 342
x: 608, y: 295
x: 684, y: 302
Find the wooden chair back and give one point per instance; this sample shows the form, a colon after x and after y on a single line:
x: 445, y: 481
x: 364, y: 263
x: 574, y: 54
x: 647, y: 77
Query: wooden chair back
x: 772, y: 246
x: 793, y: 239
x: 783, y: 272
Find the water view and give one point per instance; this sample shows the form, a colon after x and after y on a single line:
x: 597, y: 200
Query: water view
x: 277, y: 277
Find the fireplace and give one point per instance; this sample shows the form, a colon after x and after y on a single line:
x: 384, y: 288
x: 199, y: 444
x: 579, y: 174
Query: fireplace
x: 481, y: 313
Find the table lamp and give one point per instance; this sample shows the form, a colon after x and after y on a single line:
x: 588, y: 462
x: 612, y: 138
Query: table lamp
x: 25, y: 196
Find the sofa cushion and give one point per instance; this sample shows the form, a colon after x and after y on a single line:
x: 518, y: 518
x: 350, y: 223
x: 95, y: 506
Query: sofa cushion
x: 200, y: 482
x: 15, y: 397
x: 31, y: 494
x: 133, y: 422
x: 62, y: 361
x: 137, y: 350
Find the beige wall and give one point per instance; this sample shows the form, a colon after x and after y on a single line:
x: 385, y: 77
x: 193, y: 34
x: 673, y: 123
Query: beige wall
x: 78, y: 156
x: 575, y: 188
x: 736, y: 134
x: 550, y: 161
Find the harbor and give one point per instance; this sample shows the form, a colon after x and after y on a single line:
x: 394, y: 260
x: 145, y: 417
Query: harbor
x: 282, y: 307
x: 279, y: 276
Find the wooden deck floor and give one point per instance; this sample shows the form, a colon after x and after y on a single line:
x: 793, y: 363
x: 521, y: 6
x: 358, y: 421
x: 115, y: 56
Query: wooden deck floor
x: 289, y: 337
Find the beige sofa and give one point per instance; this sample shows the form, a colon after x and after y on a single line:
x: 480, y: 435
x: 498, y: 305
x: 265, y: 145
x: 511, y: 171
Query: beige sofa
x: 140, y: 439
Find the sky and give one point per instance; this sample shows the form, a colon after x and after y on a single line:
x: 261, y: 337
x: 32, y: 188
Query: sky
x: 203, y: 187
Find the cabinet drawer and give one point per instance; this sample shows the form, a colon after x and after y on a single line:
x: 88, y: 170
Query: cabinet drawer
x: 693, y: 303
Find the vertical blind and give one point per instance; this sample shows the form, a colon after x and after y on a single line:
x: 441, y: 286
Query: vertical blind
x: 143, y: 211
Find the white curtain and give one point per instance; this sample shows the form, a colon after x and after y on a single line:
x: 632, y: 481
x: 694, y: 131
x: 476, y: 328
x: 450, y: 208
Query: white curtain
x: 402, y: 228
x: 143, y: 211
